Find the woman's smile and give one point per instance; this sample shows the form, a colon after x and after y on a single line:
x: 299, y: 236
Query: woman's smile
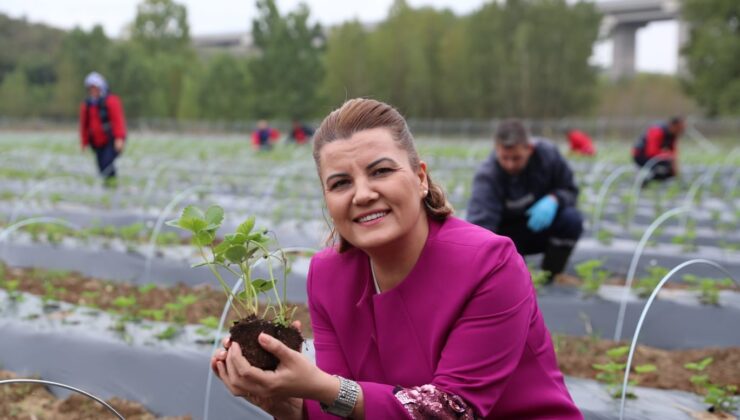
x: 371, y: 218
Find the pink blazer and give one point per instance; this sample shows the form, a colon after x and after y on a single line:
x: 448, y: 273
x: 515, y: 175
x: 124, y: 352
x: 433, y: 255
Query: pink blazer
x: 465, y: 319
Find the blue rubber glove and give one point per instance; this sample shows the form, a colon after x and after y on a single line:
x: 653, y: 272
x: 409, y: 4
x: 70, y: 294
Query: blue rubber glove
x: 542, y: 213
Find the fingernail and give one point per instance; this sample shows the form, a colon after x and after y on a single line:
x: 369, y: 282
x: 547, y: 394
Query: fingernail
x: 265, y: 338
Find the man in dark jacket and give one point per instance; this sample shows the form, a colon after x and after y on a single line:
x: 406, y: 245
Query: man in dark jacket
x: 659, y: 145
x: 102, y: 125
x: 525, y: 190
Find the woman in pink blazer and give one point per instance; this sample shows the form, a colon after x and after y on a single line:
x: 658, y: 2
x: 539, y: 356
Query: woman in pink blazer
x: 416, y: 314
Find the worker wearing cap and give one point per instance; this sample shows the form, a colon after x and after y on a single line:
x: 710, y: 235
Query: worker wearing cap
x: 102, y: 125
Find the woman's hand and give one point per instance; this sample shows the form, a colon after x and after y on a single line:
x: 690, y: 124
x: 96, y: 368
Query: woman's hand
x: 281, y: 407
x: 295, y: 375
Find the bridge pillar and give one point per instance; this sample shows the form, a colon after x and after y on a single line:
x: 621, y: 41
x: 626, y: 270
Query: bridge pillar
x: 683, y: 39
x: 623, y: 53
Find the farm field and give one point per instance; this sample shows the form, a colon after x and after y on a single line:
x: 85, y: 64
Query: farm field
x: 97, y: 292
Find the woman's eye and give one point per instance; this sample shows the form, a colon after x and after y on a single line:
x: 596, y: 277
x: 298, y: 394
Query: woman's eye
x: 382, y: 171
x: 338, y: 184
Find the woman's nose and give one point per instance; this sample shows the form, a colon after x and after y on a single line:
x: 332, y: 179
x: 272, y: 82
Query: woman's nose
x: 364, y: 194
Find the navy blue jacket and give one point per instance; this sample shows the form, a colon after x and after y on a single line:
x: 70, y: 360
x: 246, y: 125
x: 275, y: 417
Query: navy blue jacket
x: 499, y: 198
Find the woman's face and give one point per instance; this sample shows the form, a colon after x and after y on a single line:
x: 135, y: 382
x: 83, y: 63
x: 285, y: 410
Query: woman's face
x: 373, y: 195
x: 93, y: 92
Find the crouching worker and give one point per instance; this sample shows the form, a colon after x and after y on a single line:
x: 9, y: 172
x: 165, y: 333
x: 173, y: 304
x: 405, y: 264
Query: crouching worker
x: 658, y: 147
x: 102, y: 125
x: 525, y: 190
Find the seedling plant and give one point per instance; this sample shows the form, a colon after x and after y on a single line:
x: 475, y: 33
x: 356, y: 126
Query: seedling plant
x: 721, y: 398
x: 645, y: 285
x: 688, y: 239
x: 612, y: 372
x: 238, y: 253
x: 592, y: 275
x: 707, y: 287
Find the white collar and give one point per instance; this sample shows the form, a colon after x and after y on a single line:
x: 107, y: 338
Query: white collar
x: 375, y: 281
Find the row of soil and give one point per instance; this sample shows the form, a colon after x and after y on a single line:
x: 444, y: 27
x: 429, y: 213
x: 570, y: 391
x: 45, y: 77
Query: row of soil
x: 179, y: 303
x: 35, y: 402
x: 576, y: 355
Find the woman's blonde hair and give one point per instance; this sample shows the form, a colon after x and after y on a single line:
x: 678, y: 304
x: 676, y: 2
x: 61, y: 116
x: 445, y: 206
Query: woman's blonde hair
x: 364, y: 114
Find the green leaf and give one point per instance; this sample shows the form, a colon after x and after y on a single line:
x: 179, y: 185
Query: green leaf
x: 236, y: 254
x: 645, y: 368
x: 261, y: 285
x: 618, y: 352
x: 210, y: 322
x: 124, y: 301
x: 700, y: 365
x: 236, y: 238
x: 194, y: 225
x: 246, y: 227
x: 699, y: 379
x: 146, y: 288
x: 187, y: 300
x: 169, y: 333
x: 244, y: 295
x: 222, y: 247
x: 204, y: 237
x: 193, y: 212
x: 214, y: 216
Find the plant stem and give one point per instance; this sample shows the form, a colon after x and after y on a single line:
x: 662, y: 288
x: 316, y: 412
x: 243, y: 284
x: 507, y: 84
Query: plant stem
x: 220, y: 280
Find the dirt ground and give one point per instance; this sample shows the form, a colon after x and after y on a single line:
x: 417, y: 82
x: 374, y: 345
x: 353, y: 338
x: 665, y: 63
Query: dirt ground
x: 79, y: 290
x: 35, y: 402
x: 577, y: 355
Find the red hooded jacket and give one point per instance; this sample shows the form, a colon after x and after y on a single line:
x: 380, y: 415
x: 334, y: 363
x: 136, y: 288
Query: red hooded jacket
x: 92, y: 127
x: 580, y: 143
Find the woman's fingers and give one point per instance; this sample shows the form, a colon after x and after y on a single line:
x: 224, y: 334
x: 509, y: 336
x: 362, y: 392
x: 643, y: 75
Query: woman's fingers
x: 226, y: 342
x: 297, y: 325
x: 222, y: 374
x: 219, y: 356
x: 275, y: 346
x: 230, y: 367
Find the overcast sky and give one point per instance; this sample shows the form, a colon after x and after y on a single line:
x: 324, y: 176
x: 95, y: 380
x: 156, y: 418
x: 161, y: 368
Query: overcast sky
x: 657, y: 44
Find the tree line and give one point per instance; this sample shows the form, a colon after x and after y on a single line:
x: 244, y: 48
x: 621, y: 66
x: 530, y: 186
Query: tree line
x: 525, y: 58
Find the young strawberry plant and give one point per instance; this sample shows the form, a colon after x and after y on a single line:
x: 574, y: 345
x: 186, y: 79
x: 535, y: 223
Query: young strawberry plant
x: 612, y: 372
x: 688, y: 239
x: 238, y: 253
x: 649, y: 282
x: 592, y: 275
x: 605, y: 236
x: 721, y: 398
x: 707, y: 287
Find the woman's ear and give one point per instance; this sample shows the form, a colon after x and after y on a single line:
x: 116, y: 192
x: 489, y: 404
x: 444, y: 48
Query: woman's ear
x: 422, y: 174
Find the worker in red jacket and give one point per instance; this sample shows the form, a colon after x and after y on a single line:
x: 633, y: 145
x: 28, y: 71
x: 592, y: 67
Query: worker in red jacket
x: 580, y: 142
x: 300, y: 133
x: 264, y: 136
x: 102, y: 125
x: 659, y: 144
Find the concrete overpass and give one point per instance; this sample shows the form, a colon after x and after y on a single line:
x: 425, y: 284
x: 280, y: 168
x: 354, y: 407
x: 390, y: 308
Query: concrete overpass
x: 236, y: 43
x: 622, y: 19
